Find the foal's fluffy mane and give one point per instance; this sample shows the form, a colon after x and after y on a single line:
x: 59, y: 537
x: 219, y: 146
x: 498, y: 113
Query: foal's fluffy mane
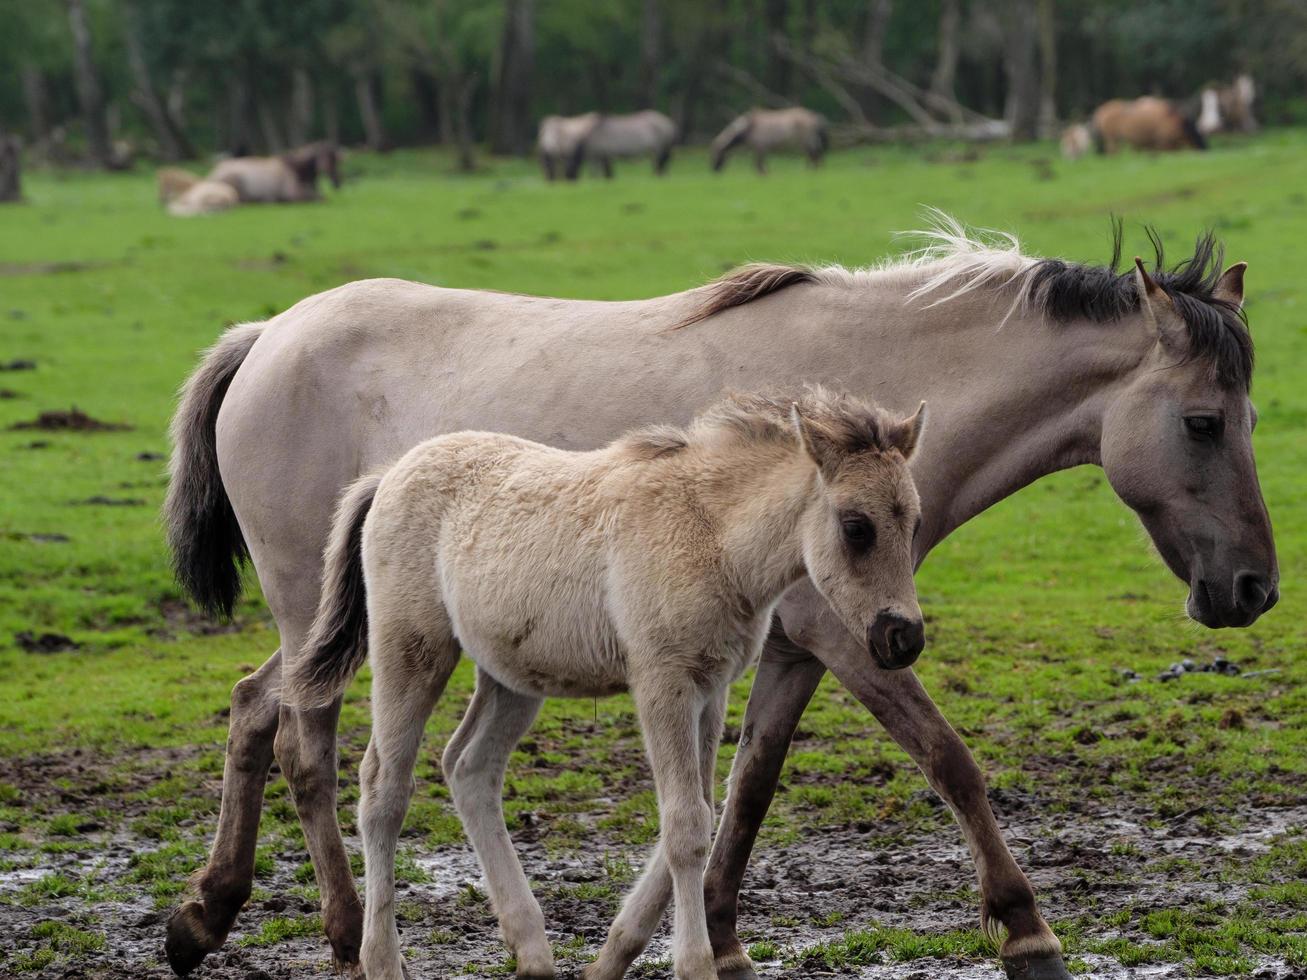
x: 953, y: 261
x: 848, y: 423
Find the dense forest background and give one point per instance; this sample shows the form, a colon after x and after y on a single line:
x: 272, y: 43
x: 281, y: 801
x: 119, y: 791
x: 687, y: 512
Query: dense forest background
x: 101, y: 80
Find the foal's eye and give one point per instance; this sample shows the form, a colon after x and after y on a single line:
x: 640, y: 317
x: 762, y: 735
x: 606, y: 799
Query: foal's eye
x: 1203, y: 426
x: 859, y: 533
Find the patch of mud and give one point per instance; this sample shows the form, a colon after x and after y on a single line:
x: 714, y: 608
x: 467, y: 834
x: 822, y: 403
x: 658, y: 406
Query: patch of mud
x: 19, y: 364
x: 73, y: 420
x: 796, y: 896
x: 46, y: 268
x: 100, y: 500
x: 45, y: 642
x: 8, y: 394
x: 40, y: 537
x: 181, y: 617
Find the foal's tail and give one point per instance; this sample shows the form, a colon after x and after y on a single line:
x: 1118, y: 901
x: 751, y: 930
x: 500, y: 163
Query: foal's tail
x: 337, y: 644
x: 207, y: 547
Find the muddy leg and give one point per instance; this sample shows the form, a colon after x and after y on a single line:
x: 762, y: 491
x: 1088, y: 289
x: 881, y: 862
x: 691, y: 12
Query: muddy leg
x: 199, y: 927
x: 901, y: 704
x: 306, y: 751
x: 787, y: 677
x: 474, y: 764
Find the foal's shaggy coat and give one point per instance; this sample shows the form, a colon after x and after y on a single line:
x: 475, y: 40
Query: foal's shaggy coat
x: 652, y: 565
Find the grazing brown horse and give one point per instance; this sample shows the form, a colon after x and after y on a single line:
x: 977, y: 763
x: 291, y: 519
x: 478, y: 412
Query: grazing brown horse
x: 1144, y: 373
x: 290, y: 177
x: 765, y: 130
x: 565, y: 142
x: 1146, y: 123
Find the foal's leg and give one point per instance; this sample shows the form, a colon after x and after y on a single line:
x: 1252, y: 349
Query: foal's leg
x: 404, y: 690
x: 644, y: 906
x: 670, y: 715
x: 200, y: 926
x: 474, y: 764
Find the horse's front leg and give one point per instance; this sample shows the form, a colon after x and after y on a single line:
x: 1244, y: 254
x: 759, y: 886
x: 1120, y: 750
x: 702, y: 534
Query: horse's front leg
x: 786, y: 679
x: 901, y: 704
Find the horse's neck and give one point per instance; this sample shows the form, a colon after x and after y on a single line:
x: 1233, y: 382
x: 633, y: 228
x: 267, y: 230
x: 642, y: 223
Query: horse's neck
x: 758, y: 497
x: 1011, y: 400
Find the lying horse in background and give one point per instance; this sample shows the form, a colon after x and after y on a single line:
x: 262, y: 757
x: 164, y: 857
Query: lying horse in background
x: 652, y: 565
x: 1228, y: 108
x: 186, y: 195
x: 1144, y: 373
x: 290, y: 177
x: 764, y: 130
x: 564, y: 142
x: 1146, y: 123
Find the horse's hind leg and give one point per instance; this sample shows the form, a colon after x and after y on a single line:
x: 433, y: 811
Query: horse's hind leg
x: 760, y: 161
x: 200, y: 926
x: 644, y: 906
x: 408, y: 675
x: 474, y: 764
x: 662, y: 159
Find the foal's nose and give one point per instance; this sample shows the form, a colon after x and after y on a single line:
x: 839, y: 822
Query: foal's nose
x: 896, y: 641
x: 1254, y: 593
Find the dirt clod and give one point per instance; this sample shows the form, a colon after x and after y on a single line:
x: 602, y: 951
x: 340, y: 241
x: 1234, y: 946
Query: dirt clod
x: 73, y: 420
x: 45, y: 642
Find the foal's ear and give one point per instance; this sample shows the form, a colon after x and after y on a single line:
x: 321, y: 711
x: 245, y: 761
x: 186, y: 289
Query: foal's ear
x: 1230, y: 286
x: 905, y: 435
x: 816, y: 442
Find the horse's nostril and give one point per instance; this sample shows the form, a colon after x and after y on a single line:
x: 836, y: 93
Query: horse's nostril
x: 1251, y: 591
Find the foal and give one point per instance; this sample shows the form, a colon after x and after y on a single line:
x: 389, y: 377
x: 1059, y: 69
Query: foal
x: 651, y: 565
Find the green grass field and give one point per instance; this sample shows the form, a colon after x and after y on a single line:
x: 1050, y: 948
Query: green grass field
x: 1035, y: 608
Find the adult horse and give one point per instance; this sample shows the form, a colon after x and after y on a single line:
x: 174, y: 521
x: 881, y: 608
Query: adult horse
x: 565, y: 143
x: 764, y: 130
x: 1146, y: 123
x: 1228, y: 108
x: 290, y: 177
x: 1145, y: 375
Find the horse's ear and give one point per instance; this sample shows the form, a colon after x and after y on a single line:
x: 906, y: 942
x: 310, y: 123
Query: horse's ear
x: 1152, y: 299
x: 816, y: 443
x: 905, y: 435
x: 1230, y: 286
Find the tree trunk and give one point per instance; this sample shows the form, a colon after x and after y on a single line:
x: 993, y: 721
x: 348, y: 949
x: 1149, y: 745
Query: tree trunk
x: 365, y: 91
x: 331, y: 115
x: 90, y: 93
x: 1047, y: 69
x: 173, y: 145
x: 650, y: 51
x: 37, y: 100
x: 240, y: 128
x: 428, y: 103
x: 10, y: 168
x: 1022, y: 108
x: 511, y: 124
x: 465, y: 89
x: 873, y: 38
x: 299, y: 117
x: 273, y: 138
x: 943, y: 79
x: 776, y: 16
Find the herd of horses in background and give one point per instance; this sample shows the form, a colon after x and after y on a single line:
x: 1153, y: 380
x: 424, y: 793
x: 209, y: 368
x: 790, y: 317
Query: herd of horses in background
x: 1157, y: 124
x: 566, y: 143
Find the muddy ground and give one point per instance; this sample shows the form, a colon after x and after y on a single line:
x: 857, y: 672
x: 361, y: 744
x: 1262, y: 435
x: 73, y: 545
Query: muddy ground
x: 1087, y: 860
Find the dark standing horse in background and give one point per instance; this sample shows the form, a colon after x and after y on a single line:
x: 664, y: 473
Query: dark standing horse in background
x: 1143, y: 373
x: 765, y: 130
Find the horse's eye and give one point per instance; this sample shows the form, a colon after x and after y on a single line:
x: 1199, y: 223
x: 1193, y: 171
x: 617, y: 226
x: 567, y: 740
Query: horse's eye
x: 1203, y: 426
x: 859, y: 533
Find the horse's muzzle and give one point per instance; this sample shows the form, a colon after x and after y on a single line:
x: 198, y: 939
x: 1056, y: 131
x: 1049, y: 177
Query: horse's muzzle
x: 896, y: 642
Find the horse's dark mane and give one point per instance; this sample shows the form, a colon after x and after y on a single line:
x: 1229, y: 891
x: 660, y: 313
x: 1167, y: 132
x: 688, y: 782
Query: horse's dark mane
x: 1217, y: 328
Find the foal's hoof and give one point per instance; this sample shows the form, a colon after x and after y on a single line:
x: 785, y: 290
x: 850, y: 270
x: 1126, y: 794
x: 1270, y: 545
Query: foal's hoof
x: 189, y: 939
x: 1035, y: 968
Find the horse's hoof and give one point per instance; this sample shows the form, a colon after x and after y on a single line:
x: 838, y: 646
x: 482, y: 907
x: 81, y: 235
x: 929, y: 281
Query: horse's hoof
x: 1036, y: 968
x: 188, y: 941
x: 735, y: 966
x: 743, y: 973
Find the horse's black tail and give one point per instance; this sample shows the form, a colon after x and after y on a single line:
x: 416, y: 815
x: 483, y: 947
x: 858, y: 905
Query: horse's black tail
x: 207, y: 547
x: 337, y: 644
